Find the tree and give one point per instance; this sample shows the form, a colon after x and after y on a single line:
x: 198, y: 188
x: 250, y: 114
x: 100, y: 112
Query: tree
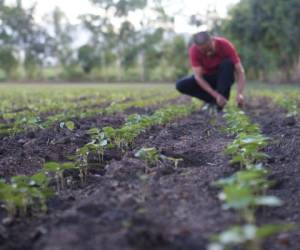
x: 87, y: 58
x: 120, y: 8
x: 19, y: 32
x: 8, y: 60
x: 267, y: 33
x: 63, y: 38
x: 176, y: 54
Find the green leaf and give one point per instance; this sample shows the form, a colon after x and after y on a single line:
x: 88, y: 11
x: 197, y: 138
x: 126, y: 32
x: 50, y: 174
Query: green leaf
x: 103, y: 143
x: 51, y: 167
x: 232, y: 236
x: 238, y: 197
x: 93, y: 131
x: 68, y: 165
x: 271, y: 201
x: 70, y: 125
x: 225, y: 181
x: 268, y: 230
x: 237, y: 159
x: 39, y: 178
x: 215, y: 246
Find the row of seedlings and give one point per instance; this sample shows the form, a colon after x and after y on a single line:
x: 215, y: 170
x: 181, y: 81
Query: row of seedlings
x: 17, y: 122
x: 122, y: 138
x: 245, y: 191
x: 28, y: 195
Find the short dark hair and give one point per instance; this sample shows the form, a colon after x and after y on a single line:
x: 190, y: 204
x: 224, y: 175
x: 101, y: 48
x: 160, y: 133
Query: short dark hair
x: 201, y: 38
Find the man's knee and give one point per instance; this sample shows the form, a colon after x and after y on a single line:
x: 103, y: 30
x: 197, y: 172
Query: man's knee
x: 227, y: 63
x: 180, y: 85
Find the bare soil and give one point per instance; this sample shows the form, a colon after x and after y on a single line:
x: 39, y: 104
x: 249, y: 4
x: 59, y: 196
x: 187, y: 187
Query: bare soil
x: 132, y: 206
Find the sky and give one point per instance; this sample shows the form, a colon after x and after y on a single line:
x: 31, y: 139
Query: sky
x: 74, y: 8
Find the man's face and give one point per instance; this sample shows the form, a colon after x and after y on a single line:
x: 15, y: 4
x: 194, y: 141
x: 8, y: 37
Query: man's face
x: 208, y: 49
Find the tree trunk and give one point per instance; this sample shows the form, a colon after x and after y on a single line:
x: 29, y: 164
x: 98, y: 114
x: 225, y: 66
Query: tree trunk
x: 296, y: 76
x: 142, y: 65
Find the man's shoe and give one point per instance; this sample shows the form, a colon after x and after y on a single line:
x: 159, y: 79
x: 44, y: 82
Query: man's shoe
x: 212, y: 108
x: 209, y: 108
x: 206, y: 106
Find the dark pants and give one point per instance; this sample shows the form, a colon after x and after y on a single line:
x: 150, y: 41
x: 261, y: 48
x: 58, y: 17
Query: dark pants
x: 221, y: 82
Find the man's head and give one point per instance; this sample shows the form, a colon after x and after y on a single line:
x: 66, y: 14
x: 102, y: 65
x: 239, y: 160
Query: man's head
x: 204, y: 42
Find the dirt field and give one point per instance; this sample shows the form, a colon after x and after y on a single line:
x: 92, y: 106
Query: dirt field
x: 127, y: 204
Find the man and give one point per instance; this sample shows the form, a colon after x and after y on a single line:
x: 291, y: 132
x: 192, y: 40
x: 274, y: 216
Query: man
x: 214, y: 61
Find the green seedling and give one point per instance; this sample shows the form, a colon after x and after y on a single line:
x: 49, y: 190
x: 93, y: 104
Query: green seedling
x: 57, y: 169
x: 111, y: 134
x: 255, y: 178
x: 245, y: 149
x: 245, y: 200
x: 291, y: 106
x: 25, y: 192
x: 249, y: 236
x: 69, y: 125
x: 41, y: 181
x: 238, y: 122
x: 98, y: 144
x: 174, y: 161
x: 82, y: 163
x: 152, y: 157
x: 12, y: 199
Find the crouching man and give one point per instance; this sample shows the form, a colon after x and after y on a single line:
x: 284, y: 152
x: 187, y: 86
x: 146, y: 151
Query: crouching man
x: 215, y: 63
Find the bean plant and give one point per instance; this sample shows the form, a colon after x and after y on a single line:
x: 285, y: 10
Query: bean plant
x: 152, y: 156
x: 57, y: 170
x: 246, y: 190
x: 24, y: 193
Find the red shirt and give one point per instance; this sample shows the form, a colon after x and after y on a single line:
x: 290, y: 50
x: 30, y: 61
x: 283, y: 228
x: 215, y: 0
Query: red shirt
x: 224, y: 49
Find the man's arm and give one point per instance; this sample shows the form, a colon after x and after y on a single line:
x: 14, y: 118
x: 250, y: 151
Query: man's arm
x: 198, y: 72
x: 241, y: 82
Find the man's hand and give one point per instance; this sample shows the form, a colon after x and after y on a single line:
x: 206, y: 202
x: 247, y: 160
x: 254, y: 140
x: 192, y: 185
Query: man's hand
x: 220, y: 100
x: 241, y: 81
x: 240, y: 100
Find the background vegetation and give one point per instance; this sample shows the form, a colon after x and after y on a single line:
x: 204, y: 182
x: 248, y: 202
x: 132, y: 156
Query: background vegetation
x: 266, y: 33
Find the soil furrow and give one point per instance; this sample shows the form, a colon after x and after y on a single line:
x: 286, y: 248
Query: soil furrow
x: 26, y: 152
x: 167, y: 208
x: 284, y: 162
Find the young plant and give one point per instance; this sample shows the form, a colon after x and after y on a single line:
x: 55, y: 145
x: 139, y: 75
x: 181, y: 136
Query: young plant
x: 98, y: 144
x: 152, y: 157
x: 249, y: 236
x: 25, y: 192
x: 245, y: 200
x: 82, y: 163
x: 255, y: 178
x: 238, y: 122
x: 245, y: 149
x: 174, y: 161
x: 57, y: 169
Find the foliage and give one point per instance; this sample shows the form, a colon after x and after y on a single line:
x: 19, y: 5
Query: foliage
x: 153, y: 156
x: 266, y: 34
x: 249, y: 235
x: 57, y: 170
x: 245, y: 190
x: 25, y: 193
x: 123, y: 138
x: 8, y: 61
x: 87, y: 58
